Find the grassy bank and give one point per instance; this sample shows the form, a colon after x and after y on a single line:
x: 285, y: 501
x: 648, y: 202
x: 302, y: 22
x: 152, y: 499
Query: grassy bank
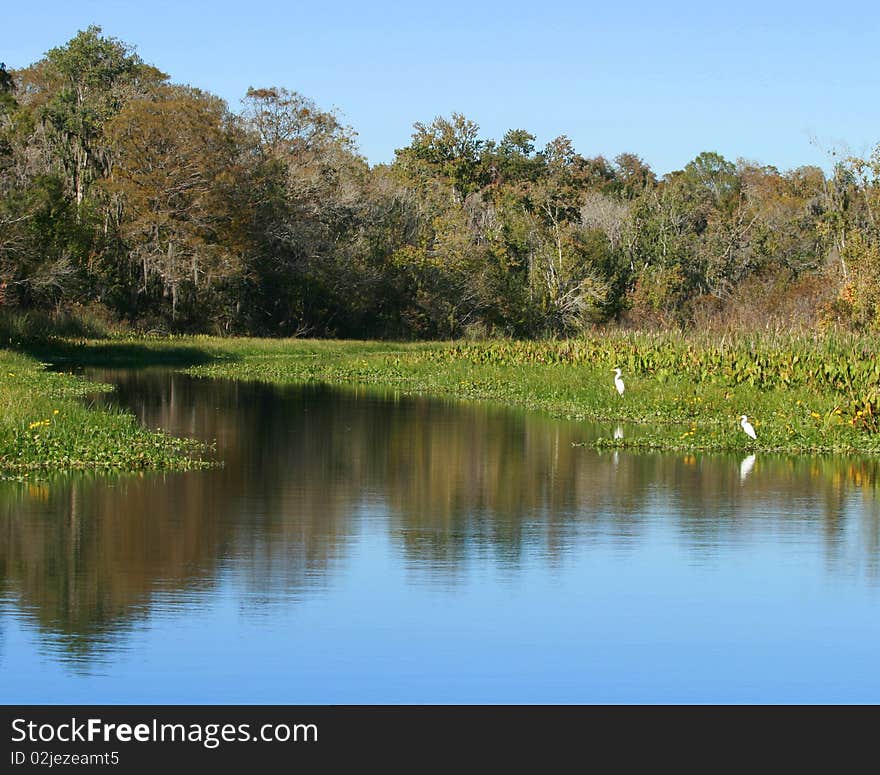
x: 803, y: 394
x: 46, y: 426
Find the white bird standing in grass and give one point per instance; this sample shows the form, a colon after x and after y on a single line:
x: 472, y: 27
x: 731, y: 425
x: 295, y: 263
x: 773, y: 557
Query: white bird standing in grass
x: 747, y: 427
x: 618, y: 382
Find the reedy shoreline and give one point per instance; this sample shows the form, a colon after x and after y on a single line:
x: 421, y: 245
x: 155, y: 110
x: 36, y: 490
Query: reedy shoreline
x: 804, y: 394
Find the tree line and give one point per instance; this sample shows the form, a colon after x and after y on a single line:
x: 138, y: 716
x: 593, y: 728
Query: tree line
x: 157, y: 205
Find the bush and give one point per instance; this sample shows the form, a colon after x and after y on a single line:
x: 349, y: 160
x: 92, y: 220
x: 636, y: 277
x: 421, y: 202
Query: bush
x: 93, y: 321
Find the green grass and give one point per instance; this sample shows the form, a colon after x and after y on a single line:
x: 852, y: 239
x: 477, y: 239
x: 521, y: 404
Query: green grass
x: 802, y: 393
x: 682, y: 392
x: 48, y: 424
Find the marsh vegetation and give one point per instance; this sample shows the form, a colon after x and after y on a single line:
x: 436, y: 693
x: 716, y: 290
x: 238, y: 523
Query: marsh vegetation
x: 802, y: 394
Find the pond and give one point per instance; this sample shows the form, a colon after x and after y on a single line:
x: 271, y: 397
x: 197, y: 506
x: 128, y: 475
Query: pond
x: 362, y: 547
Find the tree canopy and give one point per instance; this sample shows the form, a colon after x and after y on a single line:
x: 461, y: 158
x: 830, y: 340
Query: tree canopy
x: 167, y: 209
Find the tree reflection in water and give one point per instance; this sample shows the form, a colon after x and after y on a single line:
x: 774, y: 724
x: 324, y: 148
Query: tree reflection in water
x: 449, y: 484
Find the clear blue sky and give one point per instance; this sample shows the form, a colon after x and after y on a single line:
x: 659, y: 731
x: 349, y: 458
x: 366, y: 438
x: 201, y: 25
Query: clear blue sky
x: 665, y: 80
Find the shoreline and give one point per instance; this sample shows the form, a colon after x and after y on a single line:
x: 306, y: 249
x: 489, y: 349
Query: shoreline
x: 802, y: 393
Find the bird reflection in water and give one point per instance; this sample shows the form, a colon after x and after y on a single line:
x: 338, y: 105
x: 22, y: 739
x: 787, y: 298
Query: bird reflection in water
x: 745, y: 468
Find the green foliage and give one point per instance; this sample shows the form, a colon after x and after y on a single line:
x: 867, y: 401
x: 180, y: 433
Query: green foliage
x: 23, y: 329
x: 41, y: 243
x: 159, y: 202
x: 45, y: 426
x: 79, y: 87
x: 450, y: 149
x: 683, y: 391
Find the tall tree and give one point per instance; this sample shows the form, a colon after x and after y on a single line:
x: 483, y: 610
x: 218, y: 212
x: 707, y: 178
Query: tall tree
x: 75, y: 90
x: 175, y: 163
x: 449, y: 148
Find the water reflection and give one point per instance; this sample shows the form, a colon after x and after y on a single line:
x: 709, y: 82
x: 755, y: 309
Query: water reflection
x: 745, y: 467
x: 310, y: 471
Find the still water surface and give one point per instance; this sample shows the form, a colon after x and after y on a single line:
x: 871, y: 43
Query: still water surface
x: 362, y: 547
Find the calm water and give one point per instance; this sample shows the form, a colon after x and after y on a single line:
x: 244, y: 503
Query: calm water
x: 362, y: 547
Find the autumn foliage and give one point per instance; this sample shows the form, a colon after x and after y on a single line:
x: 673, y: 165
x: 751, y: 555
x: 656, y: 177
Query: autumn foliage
x: 161, y: 206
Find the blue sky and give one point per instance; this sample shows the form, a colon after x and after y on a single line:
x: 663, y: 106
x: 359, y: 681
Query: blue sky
x: 780, y: 83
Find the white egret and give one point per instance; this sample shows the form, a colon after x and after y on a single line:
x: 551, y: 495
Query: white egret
x: 747, y: 427
x: 618, y: 432
x: 618, y: 382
